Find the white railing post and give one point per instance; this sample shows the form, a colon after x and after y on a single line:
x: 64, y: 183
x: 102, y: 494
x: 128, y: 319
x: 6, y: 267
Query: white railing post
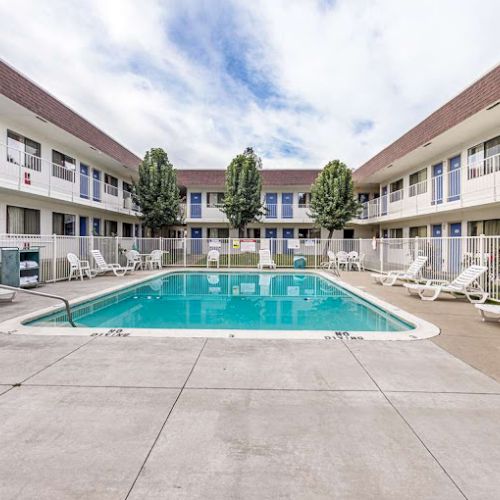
x: 481, y: 249
x: 54, y: 257
x: 185, y: 250
x: 381, y: 253
x: 416, y: 247
x: 117, y: 253
x: 229, y: 244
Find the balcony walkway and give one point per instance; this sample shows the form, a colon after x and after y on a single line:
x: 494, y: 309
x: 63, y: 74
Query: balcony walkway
x: 135, y: 417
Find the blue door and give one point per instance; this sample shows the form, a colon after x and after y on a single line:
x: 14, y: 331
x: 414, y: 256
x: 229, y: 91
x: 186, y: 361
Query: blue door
x: 96, y: 227
x: 84, y: 226
x: 96, y: 185
x: 196, y: 207
x: 437, y: 247
x: 196, y: 240
x: 437, y: 184
x: 454, y: 178
x: 271, y: 206
x: 287, y: 206
x: 455, y: 247
x: 384, y: 200
x: 84, y: 181
x: 288, y: 233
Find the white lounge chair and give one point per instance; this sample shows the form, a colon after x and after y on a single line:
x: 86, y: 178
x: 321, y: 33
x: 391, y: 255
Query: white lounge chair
x: 6, y: 295
x: 104, y: 267
x: 213, y: 256
x: 411, y: 274
x: 134, y: 259
x: 489, y: 312
x: 78, y: 267
x: 466, y: 283
x: 154, y: 259
x: 265, y: 260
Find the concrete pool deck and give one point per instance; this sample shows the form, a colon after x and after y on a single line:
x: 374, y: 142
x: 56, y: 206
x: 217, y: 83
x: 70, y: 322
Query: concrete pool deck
x: 132, y: 417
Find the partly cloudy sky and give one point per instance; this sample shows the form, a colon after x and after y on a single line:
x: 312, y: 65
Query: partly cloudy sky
x: 302, y: 81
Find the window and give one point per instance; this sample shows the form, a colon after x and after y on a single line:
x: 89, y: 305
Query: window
x: 63, y: 224
x: 96, y: 227
x: 128, y: 230
x: 63, y: 166
x: 363, y: 197
x: 310, y: 233
x: 110, y: 185
x: 23, y: 151
x: 253, y: 232
x: 396, y: 189
x: 110, y: 228
x: 418, y: 182
x: 215, y: 199
x: 218, y: 232
x: 304, y: 199
x: 487, y: 227
x: 484, y: 158
x: 420, y: 231
x: 23, y: 220
x: 396, y: 233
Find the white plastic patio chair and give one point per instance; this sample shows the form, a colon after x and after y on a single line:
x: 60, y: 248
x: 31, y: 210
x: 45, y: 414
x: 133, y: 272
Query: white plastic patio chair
x: 466, y: 283
x: 154, y: 259
x: 7, y: 295
x: 134, y: 259
x: 104, y: 267
x: 343, y: 260
x: 489, y: 312
x: 213, y: 256
x: 354, y: 260
x: 78, y: 267
x: 411, y: 274
x: 265, y: 260
x: 332, y: 260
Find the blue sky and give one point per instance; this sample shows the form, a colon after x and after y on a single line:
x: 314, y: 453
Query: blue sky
x: 302, y: 81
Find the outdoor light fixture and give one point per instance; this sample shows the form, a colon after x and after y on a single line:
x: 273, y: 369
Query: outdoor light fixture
x: 41, y: 119
x: 428, y: 144
x: 493, y: 106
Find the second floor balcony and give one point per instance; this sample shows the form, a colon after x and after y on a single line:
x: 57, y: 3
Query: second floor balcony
x: 21, y: 171
x: 280, y: 212
x: 476, y: 184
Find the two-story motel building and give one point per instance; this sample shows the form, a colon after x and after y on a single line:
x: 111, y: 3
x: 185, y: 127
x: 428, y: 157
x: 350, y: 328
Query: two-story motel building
x: 59, y: 174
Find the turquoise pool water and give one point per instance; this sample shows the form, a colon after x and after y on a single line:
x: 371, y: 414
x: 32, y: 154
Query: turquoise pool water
x: 222, y: 300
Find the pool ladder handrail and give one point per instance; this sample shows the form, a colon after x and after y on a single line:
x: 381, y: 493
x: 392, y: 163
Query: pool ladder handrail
x: 48, y: 295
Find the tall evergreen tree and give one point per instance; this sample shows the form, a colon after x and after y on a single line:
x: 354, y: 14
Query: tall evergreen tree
x: 333, y: 202
x: 156, y: 192
x: 242, y: 198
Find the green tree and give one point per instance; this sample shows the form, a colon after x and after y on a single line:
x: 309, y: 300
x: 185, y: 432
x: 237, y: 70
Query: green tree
x: 333, y: 202
x: 156, y: 192
x: 242, y: 197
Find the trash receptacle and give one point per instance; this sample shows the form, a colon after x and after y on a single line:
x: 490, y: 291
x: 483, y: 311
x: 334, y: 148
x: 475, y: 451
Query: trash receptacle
x: 299, y: 262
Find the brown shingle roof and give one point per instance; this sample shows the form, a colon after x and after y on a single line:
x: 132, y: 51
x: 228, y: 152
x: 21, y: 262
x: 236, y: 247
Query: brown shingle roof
x: 23, y: 91
x: 215, y: 178
x: 474, y: 98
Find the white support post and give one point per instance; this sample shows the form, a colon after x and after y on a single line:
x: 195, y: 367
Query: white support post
x: 381, y: 253
x: 117, y: 253
x: 185, y: 250
x: 229, y: 245
x: 416, y: 247
x: 54, y: 257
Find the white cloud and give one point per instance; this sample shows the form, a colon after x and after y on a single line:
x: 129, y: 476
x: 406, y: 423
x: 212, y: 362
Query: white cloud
x: 172, y: 74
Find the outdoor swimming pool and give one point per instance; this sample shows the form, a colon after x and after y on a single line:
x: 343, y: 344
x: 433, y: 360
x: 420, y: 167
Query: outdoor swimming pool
x: 233, y: 301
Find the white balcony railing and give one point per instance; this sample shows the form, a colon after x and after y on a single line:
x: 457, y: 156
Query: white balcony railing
x: 28, y: 173
x: 476, y: 185
x: 281, y: 212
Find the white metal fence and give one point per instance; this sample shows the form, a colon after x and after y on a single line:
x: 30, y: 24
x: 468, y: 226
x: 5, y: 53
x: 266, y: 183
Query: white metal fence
x: 447, y: 257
